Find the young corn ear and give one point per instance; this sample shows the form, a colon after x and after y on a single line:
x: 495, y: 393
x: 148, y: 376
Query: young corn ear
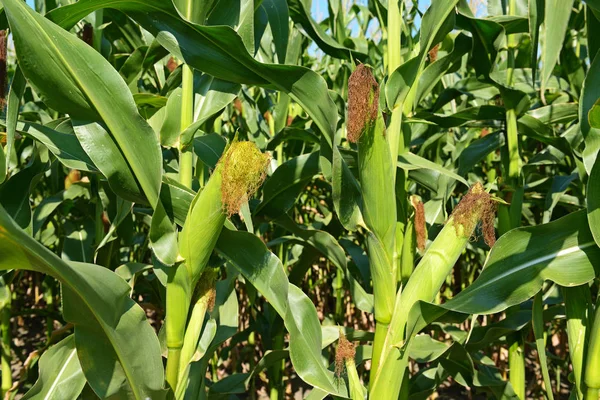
x: 344, y: 361
x: 204, y: 302
x: 367, y: 128
x: 238, y: 174
x: 427, y: 279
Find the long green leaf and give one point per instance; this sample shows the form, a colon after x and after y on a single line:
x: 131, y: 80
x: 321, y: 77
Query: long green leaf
x: 562, y: 251
x: 556, y: 20
x: 81, y: 83
x: 60, y: 374
x: 218, y: 51
x: 118, y: 349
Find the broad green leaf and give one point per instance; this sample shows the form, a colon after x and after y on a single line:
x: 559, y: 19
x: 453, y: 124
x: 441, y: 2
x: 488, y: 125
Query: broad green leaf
x: 250, y: 257
x: 83, y: 84
x: 105, y: 155
x: 14, y: 193
x: 478, y: 150
x: 300, y: 14
x: 561, y: 113
x: 425, y: 349
x: 264, y: 270
x: 588, y: 120
x: 562, y: 251
x: 194, y: 11
x: 278, y: 14
x: 63, y: 144
x: 536, y: 129
x: 60, y: 375
x: 434, y: 72
x: 47, y: 207
x: 592, y: 21
x: 556, y: 20
x: 302, y: 323
x: 118, y: 349
x: 536, y: 16
x: 123, y: 209
x: 171, y: 126
x: 482, y: 113
x: 488, y: 38
x: 217, y: 51
x: 577, y: 301
x: 79, y: 241
x: 483, y: 336
x: 410, y: 161
x: 209, y: 148
x: 593, y: 201
x: 210, y: 97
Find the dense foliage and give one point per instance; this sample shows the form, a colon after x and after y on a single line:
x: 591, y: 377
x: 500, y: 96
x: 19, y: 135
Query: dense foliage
x: 238, y: 199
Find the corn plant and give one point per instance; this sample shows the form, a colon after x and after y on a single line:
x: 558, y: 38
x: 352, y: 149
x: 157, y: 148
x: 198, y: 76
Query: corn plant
x: 268, y: 198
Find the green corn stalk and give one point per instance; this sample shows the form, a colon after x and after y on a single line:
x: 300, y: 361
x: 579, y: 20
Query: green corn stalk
x: 576, y: 306
x: 424, y: 284
x: 592, y: 365
x: 237, y: 176
x: 366, y: 126
x: 6, y: 339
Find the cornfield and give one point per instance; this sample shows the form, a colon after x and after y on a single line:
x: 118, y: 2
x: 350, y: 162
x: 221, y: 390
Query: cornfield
x: 242, y: 199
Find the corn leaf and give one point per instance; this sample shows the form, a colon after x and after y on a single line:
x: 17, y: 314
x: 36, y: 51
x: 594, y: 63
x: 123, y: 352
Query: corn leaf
x: 118, y: 349
x: 562, y: 251
x: 61, y: 376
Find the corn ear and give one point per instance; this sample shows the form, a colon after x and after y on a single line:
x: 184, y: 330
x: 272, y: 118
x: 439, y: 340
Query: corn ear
x: 238, y: 174
x: 344, y: 359
x: 425, y: 282
x: 205, y: 294
x: 376, y: 171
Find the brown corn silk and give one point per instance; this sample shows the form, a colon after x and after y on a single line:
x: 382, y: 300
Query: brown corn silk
x: 363, y: 96
x: 345, y: 350
x: 244, y: 168
x: 420, y: 223
x: 477, y: 202
x: 433, y: 53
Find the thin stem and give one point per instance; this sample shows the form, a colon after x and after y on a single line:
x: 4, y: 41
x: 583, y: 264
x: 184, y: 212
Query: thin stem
x: 592, y: 365
x: 6, y: 356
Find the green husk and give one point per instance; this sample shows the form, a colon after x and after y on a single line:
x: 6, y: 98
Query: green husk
x: 367, y: 128
x: 425, y: 282
x: 240, y: 171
